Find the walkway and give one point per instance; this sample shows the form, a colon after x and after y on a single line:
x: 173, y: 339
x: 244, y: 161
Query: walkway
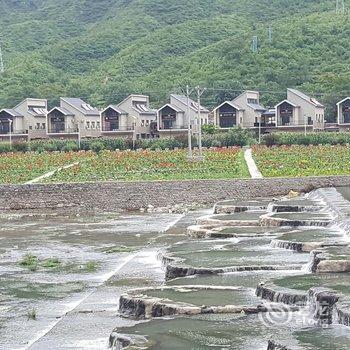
x: 50, y: 173
x: 253, y: 169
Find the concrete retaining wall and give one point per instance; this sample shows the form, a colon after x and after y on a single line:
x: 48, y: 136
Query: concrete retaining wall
x: 135, y: 195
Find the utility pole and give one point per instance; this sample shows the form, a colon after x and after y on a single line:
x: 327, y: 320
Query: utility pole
x: 10, y: 131
x: 2, y: 67
x: 200, y: 92
x: 189, y: 123
x: 340, y: 6
x: 255, y: 44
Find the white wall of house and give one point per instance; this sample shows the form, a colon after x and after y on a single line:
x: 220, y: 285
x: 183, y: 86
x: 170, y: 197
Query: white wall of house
x: 30, y: 121
x: 133, y: 118
x: 340, y: 114
x: 18, y: 124
x: 180, y: 121
x: 140, y: 121
x: 204, y: 114
x: 124, y: 124
x: 295, y: 117
x: 89, y: 124
x: 250, y: 115
x: 307, y: 109
x: 239, y: 117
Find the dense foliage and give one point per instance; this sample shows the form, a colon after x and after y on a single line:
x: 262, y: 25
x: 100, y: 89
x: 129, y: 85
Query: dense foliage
x: 234, y: 137
x: 103, y: 50
x: 296, y: 161
x: 294, y: 138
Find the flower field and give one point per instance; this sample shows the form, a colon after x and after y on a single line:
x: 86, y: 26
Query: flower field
x: 22, y: 167
x: 155, y: 165
x: 295, y: 161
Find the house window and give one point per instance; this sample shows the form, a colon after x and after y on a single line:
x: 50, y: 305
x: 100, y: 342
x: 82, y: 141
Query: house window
x: 30, y: 127
x: 37, y: 127
x: 43, y: 126
x: 92, y: 125
x: 87, y: 125
x: 98, y: 125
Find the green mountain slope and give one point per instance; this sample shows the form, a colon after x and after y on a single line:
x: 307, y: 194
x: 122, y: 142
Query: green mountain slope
x: 103, y: 50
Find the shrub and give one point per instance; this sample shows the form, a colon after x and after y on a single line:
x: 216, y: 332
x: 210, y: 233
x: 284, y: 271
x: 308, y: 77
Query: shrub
x: 20, y: 146
x: 212, y: 140
x: 70, y: 146
x: 270, y: 139
x: 97, y: 146
x: 314, y: 138
x: 209, y: 129
x: 100, y: 144
x: 238, y: 137
x: 162, y: 143
x: 5, y: 147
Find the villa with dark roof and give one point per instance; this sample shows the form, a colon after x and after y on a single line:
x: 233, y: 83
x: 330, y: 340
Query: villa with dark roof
x: 73, y: 115
x: 300, y: 111
x: 172, y: 118
x: 138, y: 117
x: 116, y: 122
x: 343, y: 114
x: 245, y: 111
x: 25, y: 121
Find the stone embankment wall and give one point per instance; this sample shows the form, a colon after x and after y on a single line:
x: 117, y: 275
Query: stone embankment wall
x: 135, y: 195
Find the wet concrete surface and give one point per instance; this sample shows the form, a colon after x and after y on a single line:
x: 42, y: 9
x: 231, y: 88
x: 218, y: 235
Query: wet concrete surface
x: 75, y: 304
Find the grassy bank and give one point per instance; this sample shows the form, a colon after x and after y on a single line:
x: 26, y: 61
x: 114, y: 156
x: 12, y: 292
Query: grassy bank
x: 298, y: 160
x: 124, y: 166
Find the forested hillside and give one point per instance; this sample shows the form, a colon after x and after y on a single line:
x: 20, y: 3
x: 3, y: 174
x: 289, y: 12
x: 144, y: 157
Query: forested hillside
x: 103, y: 50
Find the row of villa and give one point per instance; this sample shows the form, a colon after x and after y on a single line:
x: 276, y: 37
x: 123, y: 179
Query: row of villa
x: 133, y: 117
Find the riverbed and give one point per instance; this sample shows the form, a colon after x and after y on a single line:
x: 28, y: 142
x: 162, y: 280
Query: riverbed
x: 62, y: 276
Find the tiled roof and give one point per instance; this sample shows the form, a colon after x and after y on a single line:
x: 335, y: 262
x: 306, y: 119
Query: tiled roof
x: 256, y: 107
x: 193, y: 104
x: 12, y: 112
x: 63, y: 110
x: 231, y: 103
x: 82, y: 106
x: 176, y: 109
x: 116, y: 108
x: 306, y: 98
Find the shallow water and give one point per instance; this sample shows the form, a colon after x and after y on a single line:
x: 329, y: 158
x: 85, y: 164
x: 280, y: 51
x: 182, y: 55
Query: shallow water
x: 208, y: 297
x: 235, y: 332
x: 89, y: 251
x: 244, y: 216
x: 312, y: 235
x: 248, y: 279
x: 303, y: 216
x: 245, y: 252
x: 101, y: 257
x: 338, y: 281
